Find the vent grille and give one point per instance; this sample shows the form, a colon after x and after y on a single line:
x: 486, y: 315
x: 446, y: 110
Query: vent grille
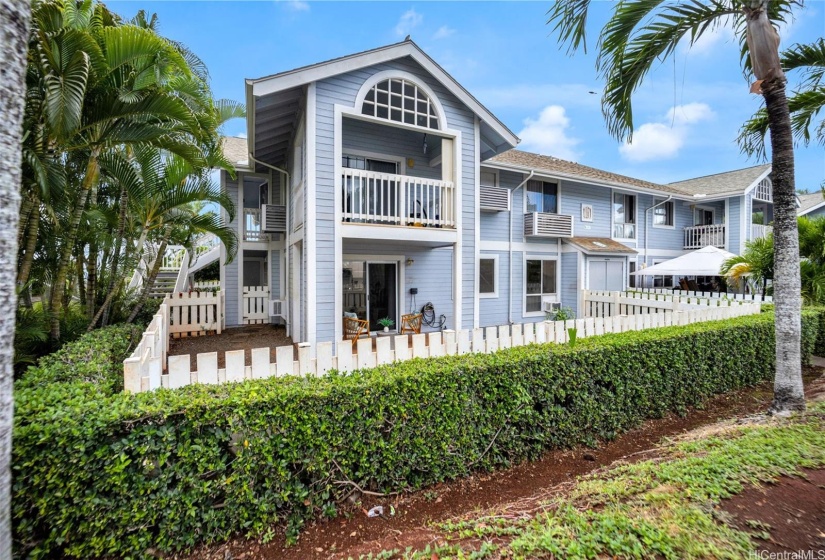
x: 494, y: 199
x: 277, y: 308
x: 274, y: 218
x: 540, y: 224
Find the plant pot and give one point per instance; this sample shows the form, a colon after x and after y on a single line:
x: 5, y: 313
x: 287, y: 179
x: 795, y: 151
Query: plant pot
x: 386, y: 329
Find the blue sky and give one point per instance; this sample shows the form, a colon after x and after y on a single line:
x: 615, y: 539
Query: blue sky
x: 687, y: 115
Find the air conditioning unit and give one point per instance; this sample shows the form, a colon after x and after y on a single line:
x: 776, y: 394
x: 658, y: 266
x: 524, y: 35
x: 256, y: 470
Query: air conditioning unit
x: 551, y: 306
x: 277, y: 308
x: 494, y: 199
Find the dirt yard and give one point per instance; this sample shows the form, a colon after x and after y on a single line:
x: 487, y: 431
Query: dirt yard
x: 240, y: 338
x: 353, y: 533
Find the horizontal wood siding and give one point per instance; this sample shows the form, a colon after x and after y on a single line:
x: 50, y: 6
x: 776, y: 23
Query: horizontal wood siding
x: 734, y: 224
x: 573, y: 195
x: 343, y: 90
x: 232, y: 271
x: 494, y: 311
x: 361, y: 136
x: 570, y: 282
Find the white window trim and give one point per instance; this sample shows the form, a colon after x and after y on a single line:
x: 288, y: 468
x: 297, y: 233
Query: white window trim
x: 494, y: 293
x: 543, y: 180
x: 710, y: 209
x: 537, y: 257
x: 612, y: 216
x: 401, y: 75
x: 672, y: 213
x: 490, y: 170
x: 402, y: 162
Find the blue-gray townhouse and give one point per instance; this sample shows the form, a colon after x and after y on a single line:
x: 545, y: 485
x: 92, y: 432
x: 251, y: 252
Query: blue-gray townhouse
x: 375, y: 183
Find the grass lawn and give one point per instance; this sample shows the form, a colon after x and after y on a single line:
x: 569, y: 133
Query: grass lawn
x: 664, y: 507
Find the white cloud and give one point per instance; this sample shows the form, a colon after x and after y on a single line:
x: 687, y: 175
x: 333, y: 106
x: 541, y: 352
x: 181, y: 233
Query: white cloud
x: 713, y: 38
x: 241, y: 135
x: 663, y: 140
x: 443, y: 32
x: 548, y: 134
x: 409, y: 20
x: 296, y: 5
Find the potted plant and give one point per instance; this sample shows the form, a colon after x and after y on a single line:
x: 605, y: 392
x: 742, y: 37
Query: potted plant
x: 387, y: 323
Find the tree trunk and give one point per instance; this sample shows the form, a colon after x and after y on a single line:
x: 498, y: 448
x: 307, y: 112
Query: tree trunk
x: 14, y: 33
x: 114, y: 279
x: 150, y: 282
x: 787, y: 289
x: 81, y: 291
x: 91, y: 278
x: 763, y: 48
x: 90, y: 179
x: 28, y: 252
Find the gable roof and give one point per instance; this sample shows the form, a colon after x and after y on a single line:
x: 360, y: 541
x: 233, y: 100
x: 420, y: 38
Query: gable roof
x: 724, y: 184
x: 568, y: 169
x: 810, y: 202
x: 299, y: 76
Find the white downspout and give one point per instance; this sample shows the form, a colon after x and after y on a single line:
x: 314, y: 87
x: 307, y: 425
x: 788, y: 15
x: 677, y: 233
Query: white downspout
x: 665, y: 201
x: 286, y: 233
x: 510, y: 247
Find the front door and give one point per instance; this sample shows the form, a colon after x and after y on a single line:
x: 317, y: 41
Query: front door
x: 382, y: 293
x: 606, y: 275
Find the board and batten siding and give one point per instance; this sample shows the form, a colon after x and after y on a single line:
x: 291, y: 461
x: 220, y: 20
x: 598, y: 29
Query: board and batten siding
x: 343, y: 89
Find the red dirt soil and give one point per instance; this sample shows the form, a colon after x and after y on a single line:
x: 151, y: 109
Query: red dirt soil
x: 791, y: 511
x: 352, y: 533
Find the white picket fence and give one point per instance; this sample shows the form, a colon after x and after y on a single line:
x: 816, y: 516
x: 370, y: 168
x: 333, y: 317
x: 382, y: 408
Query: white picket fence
x: 206, y: 285
x: 716, y: 295
x: 194, y: 313
x: 142, y: 370
x: 371, y: 352
x: 608, y: 304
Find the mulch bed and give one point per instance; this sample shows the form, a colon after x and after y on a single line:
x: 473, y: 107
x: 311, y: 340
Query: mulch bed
x: 238, y: 338
x: 353, y: 533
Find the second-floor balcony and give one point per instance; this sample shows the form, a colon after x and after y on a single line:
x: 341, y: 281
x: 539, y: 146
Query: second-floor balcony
x: 252, y: 230
x: 759, y: 231
x: 697, y: 237
x: 370, y: 197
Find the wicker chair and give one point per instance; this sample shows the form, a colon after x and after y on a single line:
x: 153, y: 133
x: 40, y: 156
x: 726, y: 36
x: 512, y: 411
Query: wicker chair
x: 411, y: 323
x: 355, y: 328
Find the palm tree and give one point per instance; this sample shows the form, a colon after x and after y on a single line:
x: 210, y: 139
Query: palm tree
x: 755, y: 265
x: 639, y: 34
x: 805, y: 104
x: 14, y: 32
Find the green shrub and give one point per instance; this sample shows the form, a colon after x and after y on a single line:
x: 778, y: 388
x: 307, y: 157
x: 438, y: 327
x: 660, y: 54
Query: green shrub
x: 31, y: 333
x: 117, y: 475
x: 95, y: 358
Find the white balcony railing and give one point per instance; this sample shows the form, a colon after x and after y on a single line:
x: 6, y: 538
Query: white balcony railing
x: 252, y: 230
x: 759, y: 231
x: 697, y: 237
x: 384, y: 198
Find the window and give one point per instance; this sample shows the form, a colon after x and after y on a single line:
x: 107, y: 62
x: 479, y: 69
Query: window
x: 662, y: 281
x: 663, y: 214
x: 540, y: 280
x: 488, y: 178
x: 631, y: 279
x: 542, y: 197
x: 703, y: 217
x: 401, y: 101
x: 624, y: 216
x: 369, y: 164
x: 488, y: 277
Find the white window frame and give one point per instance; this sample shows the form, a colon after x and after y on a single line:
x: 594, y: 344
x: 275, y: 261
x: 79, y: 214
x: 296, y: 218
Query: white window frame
x: 710, y: 209
x: 488, y: 170
x: 666, y: 202
x: 432, y: 111
x: 402, y: 163
x: 613, y: 193
x: 538, y: 257
x: 494, y: 293
x: 558, y: 194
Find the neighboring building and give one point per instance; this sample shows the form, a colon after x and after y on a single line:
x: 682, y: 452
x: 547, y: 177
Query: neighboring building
x: 811, y: 205
x: 375, y: 183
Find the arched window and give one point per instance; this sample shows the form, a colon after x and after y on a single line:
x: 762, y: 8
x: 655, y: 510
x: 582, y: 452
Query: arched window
x: 400, y: 100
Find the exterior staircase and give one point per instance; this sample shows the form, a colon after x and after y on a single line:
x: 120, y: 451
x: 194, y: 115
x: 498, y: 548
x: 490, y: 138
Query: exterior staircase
x: 177, y: 267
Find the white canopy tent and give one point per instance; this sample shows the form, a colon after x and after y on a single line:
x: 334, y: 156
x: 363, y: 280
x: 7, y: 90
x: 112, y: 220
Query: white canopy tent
x: 703, y: 262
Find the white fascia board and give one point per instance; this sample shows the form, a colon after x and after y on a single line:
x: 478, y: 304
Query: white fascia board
x: 299, y: 77
x: 579, y: 179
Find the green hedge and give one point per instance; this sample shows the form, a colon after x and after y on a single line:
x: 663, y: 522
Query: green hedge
x: 95, y: 358
x: 119, y: 475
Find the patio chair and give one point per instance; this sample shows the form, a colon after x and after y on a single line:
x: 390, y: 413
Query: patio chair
x: 411, y: 323
x: 355, y: 328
